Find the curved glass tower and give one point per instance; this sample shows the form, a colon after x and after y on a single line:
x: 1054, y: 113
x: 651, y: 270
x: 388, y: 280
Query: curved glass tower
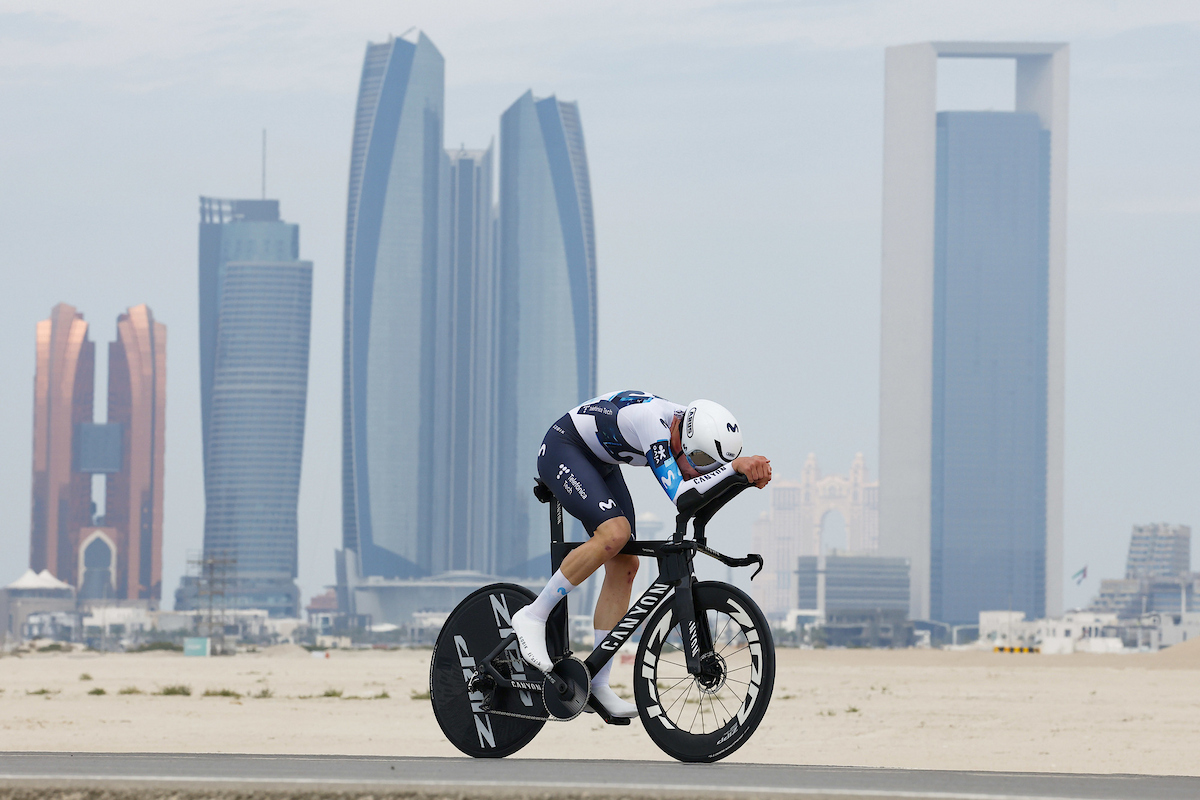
x: 389, y: 359
x: 547, y: 275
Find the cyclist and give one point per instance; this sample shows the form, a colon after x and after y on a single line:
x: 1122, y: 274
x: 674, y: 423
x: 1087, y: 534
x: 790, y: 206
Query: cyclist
x: 689, y: 448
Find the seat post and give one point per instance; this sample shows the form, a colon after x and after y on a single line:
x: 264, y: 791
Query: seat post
x: 558, y: 550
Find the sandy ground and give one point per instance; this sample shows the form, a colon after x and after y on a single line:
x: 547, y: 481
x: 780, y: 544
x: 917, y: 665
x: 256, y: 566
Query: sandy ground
x: 910, y: 709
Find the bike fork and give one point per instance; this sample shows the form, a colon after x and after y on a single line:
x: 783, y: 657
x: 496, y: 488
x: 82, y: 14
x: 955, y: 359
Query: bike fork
x: 697, y: 638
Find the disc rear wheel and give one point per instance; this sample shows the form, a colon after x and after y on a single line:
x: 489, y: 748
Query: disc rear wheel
x: 473, y: 629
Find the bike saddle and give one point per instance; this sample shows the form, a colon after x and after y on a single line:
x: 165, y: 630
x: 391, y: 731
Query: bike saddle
x: 541, y: 491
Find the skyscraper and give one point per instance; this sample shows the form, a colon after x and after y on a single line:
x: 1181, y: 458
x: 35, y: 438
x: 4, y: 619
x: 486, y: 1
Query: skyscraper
x: 547, y: 273
x: 394, y: 226
x: 62, y: 402
x: 470, y: 335
x: 971, y: 408
x: 118, y: 556
x: 455, y: 358
x: 137, y: 403
x: 255, y: 307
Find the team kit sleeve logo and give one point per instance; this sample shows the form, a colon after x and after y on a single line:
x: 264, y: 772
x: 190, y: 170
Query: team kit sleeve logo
x: 662, y: 463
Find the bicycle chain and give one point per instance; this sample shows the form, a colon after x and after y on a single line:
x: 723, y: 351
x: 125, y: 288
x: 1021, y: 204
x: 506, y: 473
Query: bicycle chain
x: 548, y: 718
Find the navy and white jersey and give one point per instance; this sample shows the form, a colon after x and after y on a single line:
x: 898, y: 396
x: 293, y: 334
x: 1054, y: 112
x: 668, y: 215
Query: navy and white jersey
x: 634, y: 428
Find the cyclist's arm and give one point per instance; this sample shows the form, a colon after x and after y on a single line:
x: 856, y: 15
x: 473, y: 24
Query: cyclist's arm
x: 670, y: 477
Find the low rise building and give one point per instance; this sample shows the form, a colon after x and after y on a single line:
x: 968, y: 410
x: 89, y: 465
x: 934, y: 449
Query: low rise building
x: 322, y: 612
x: 1074, y: 632
x: 1156, y: 631
x: 375, y: 600
x: 32, y: 593
x: 855, y: 599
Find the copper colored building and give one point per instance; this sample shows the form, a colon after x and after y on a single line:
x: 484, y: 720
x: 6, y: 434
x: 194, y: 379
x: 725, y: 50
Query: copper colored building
x: 137, y: 400
x: 62, y: 401
x: 119, y: 556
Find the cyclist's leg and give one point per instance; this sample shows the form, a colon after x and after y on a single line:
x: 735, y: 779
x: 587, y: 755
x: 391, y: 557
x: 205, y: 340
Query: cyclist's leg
x: 585, y: 487
x: 575, y: 478
x: 613, y: 601
x: 619, y: 570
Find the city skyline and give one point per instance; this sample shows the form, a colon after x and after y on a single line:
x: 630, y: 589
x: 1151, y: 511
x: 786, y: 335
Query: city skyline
x: 659, y: 215
x: 471, y: 343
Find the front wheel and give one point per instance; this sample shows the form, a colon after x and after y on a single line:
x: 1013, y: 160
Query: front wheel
x: 706, y: 717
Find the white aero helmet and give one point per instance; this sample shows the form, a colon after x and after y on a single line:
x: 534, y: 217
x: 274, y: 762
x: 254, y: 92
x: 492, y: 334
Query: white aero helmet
x: 710, y: 436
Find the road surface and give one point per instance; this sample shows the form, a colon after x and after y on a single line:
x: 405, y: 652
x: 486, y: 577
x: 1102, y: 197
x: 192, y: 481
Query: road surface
x: 146, y: 775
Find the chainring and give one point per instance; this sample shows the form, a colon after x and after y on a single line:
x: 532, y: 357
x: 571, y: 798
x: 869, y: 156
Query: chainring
x: 574, y: 673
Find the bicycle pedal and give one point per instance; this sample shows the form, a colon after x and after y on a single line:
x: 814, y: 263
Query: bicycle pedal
x: 594, y: 707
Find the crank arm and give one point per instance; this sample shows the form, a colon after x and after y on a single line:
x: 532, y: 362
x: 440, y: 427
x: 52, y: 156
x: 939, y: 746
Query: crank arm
x: 730, y: 561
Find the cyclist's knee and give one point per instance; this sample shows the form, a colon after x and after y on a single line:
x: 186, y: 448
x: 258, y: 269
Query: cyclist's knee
x: 625, y: 566
x: 612, y: 534
x: 620, y: 568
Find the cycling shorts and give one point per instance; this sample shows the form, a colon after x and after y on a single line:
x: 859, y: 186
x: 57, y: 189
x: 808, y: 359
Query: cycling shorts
x: 590, y: 490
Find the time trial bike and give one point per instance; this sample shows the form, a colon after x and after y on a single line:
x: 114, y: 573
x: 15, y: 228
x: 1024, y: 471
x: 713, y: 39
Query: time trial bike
x: 703, y: 673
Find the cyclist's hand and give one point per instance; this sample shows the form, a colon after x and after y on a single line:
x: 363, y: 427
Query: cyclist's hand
x: 756, y: 468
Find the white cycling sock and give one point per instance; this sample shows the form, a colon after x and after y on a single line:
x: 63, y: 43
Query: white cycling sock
x: 601, y: 677
x: 556, y: 589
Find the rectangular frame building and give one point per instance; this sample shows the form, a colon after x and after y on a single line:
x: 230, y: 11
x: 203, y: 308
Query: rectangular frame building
x: 907, y: 354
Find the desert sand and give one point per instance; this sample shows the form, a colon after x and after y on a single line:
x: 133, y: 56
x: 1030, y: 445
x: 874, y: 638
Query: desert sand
x: 912, y: 709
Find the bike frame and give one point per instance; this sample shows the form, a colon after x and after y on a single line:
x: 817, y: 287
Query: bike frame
x: 675, y: 571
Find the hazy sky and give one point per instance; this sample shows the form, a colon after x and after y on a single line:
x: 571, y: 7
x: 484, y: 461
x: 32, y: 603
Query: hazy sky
x: 735, y: 152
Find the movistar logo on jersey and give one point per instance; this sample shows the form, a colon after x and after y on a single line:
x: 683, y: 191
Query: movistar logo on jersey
x: 670, y: 480
x: 607, y: 505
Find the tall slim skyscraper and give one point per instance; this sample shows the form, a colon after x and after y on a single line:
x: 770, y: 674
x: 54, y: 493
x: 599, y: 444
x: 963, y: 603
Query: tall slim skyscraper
x: 137, y: 403
x: 118, y: 556
x: 547, y: 305
x: 62, y: 403
x: 971, y: 410
x: 255, y: 308
x: 471, y: 359
x: 394, y: 225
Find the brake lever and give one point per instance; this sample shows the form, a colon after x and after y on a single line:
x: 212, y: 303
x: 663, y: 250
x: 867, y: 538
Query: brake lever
x: 730, y: 561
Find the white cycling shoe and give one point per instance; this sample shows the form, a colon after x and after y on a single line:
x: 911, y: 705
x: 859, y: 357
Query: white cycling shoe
x: 613, y: 703
x: 531, y: 636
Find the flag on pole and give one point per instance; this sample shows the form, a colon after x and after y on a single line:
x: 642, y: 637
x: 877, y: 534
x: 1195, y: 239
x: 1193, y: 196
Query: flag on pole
x: 1081, y: 576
